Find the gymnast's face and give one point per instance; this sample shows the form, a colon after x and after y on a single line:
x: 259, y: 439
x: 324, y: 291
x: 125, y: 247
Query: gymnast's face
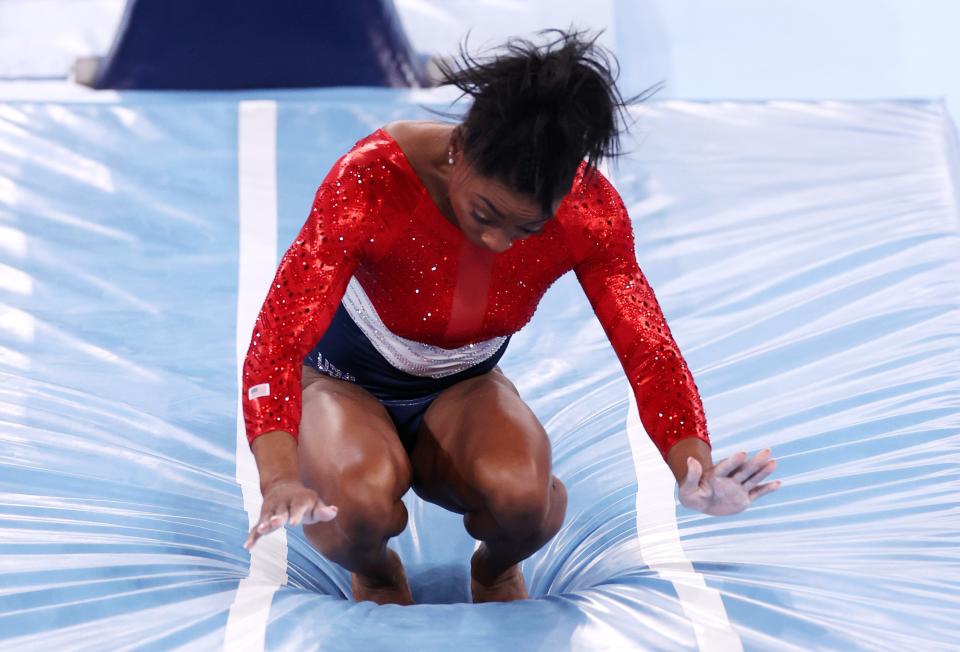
x: 490, y: 214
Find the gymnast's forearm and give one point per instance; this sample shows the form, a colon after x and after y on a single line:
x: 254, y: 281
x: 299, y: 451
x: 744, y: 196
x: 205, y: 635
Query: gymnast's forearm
x: 277, y: 460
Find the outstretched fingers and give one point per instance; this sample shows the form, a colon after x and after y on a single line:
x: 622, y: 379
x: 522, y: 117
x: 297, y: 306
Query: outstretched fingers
x: 270, y: 520
x: 298, y: 508
x: 764, y: 489
x: 760, y: 475
x: 321, y: 512
x: 751, y: 466
x: 729, y: 464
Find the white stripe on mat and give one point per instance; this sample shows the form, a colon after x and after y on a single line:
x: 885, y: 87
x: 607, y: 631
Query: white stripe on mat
x: 659, y: 535
x: 257, y: 182
x: 660, y: 544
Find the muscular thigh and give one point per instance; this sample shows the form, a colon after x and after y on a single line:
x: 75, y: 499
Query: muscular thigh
x: 479, y: 423
x: 348, y: 445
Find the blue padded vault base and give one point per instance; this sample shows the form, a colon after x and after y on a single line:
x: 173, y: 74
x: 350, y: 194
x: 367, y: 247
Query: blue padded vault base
x: 804, y: 253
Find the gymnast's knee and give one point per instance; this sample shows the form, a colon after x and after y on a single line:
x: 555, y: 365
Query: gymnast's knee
x: 524, y: 506
x: 368, y: 515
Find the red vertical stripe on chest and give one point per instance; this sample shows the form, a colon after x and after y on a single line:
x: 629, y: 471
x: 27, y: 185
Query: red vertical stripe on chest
x: 471, y: 291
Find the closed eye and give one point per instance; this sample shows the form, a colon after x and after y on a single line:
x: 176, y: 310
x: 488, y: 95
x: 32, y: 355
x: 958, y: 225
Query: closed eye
x: 476, y: 216
x: 484, y: 221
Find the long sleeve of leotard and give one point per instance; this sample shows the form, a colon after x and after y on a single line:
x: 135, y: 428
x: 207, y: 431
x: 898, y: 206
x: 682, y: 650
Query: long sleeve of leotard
x: 667, y: 397
x: 310, y: 281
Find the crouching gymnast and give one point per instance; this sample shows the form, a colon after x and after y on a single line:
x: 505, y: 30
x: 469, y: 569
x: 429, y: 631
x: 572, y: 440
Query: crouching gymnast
x: 372, y: 367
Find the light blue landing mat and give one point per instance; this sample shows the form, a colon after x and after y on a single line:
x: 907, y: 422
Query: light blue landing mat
x: 806, y: 257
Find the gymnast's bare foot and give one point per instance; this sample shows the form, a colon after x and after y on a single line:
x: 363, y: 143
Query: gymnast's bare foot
x: 504, y: 587
x: 392, y: 589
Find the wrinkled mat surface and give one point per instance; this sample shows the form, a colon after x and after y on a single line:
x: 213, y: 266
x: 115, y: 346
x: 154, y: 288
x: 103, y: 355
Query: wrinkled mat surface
x: 806, y: 257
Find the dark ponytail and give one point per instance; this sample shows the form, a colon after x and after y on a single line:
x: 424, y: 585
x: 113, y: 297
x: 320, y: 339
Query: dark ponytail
x: 538, y: 111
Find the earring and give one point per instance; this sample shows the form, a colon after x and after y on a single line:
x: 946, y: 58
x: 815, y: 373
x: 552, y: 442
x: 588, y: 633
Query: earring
x: 450, y: 156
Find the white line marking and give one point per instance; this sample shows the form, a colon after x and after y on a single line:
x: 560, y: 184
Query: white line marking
x: 660, y: 544
x: 659, y: 535
x: 257, y: 180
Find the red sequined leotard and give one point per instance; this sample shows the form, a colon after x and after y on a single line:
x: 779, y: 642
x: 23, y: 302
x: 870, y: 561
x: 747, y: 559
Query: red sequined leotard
x: 372, y: 218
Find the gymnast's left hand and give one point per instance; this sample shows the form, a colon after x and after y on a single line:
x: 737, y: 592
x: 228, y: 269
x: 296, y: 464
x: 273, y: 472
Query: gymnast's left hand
x: 730, y: 486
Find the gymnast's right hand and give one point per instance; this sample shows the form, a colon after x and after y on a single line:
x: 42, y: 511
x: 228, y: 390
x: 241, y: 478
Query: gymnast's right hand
x: 289, y: 501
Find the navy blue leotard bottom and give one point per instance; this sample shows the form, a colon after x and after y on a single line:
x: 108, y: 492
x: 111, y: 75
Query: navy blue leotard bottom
x: 346, y: 353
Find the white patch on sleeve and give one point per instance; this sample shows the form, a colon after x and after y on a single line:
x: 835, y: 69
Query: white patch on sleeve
x: 263, y: 389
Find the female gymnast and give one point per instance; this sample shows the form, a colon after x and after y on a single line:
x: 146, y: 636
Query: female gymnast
x: 372, y: 367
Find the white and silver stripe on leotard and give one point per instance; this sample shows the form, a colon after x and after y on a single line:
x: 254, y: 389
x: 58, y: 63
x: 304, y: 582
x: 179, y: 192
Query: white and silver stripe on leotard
x: 415, y: 358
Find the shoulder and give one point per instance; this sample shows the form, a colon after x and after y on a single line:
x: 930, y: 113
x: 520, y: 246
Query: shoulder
x: 376, y: 149
x: 592, y: 188
x: 401, y: 131
x: 374, y: 169
x: 593, y: 213
x: 415, y: 137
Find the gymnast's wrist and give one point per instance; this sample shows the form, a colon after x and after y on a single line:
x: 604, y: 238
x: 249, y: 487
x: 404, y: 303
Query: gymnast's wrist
x: 688, y: 447
x: 277, y: 458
